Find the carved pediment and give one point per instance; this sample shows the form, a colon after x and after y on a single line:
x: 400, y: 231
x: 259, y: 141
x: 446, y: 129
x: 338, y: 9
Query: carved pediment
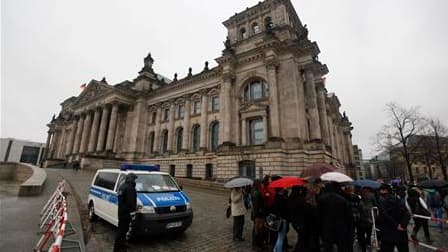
x: 253, y: 107
x: 92, y: 91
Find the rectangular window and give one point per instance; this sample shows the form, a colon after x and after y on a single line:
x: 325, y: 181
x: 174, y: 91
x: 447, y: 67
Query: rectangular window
x: 166, y: 114
x: 214, y: 103
x: 180, y: 111
x: 29, y: 154
x: 106, y: 180
x: 196, y: 107
x: 256, y: 131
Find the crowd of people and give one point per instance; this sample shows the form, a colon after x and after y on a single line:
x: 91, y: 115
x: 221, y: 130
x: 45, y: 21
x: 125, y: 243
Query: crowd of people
x: 328, y: 215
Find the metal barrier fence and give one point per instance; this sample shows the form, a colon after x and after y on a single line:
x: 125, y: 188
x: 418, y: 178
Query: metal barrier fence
x: 415, y: 242
x: 54, y: 223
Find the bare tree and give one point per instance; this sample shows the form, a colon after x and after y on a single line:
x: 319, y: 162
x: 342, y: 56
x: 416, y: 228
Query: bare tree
x: 395, y: 135
x: 439, y: 132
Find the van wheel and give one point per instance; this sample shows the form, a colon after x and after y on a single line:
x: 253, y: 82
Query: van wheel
x: 92, y: 215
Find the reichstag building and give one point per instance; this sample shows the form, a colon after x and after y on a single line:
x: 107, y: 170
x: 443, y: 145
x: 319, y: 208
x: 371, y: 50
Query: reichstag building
x: 264, y: 109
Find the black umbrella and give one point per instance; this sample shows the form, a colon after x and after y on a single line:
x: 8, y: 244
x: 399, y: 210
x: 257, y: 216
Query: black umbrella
x: 433, y: 183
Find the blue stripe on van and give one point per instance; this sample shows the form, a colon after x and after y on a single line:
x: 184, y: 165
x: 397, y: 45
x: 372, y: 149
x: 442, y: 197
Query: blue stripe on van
x: 105, y: 195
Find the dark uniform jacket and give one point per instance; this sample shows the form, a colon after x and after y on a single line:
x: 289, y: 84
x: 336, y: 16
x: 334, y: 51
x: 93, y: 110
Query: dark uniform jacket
x: 392, y: 212
x: 127, y: 198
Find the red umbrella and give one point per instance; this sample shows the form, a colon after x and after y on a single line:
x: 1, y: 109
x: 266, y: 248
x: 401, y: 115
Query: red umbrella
x: 317, y: 169
x: 286, y: 182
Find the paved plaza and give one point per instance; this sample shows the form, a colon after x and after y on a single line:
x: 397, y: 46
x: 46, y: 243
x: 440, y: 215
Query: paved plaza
x: 210, y: 230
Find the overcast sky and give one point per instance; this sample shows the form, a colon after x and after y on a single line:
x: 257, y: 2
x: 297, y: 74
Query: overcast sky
x: 377, y: 51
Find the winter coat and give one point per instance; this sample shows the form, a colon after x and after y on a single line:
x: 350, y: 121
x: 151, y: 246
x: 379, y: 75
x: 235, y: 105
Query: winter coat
x: 366, y: 211
x: 299, y: 211
x: 391, y: 214
x: 280, y: 205
x: 417, y: 205
x: 258, y: 206
x: 335, y: 212
x: 127, y: 199
x: 237, y: 203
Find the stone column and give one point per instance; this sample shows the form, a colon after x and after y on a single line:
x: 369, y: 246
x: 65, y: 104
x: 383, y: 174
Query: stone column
x: 78, y: 134
x: 340, y: 144
x: 103, y: 126
x: 330, y: 132
x: 348, y: 144
x: 135, y: 125
x: 94, y: 131
x: 85, y: 132
x: 243, y: 132
x: 186, y: 134
x: 171, y: 127
x: 71, y: 139
x: 54, y: 138
x: 204, y: 128
x: 274, y: 114
x: 112, y: 126
x: 47, y: 144
x: 322, y: 107
x: 157, y: 131
x: 226, y: 112
x: 312, y: 105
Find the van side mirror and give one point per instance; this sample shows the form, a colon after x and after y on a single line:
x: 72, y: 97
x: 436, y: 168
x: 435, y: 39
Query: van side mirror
x: 181, y: 188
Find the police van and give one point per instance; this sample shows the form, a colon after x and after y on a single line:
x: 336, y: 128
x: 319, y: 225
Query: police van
x: 162, y: 206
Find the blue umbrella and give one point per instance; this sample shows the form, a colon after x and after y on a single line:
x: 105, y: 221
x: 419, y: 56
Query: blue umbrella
x: 367, y: 183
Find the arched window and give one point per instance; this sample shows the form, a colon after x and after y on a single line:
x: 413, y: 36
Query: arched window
x: 256, y: 131
x: 255, y: 90
x: 214, y: 136
x: 179, y: 137
x: 196, y: 135
x: 243, y: 33
x: 164, y: 141
x: 255, y: 28
x: 268, y: 23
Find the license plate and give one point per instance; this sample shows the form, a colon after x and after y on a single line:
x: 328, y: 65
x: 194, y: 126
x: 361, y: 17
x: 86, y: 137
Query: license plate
x: 174, y: 224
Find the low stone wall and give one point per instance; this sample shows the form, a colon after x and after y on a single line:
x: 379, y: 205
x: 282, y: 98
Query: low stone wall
x: 30, y: 177
x: 203, y: 184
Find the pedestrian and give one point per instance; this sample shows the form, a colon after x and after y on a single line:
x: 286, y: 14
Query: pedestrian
x: 364, y: 227
x: 435, y: 203
x: 127, y: 204
x: 314, y: 188
x: 258, y: 215
x: 418, y: 206
x: 238, y: 211
x: 354, y: 201
x: 392, y: 221
x: 269, y: 198
x: 300, y: 213
x: 335, y: 212
x: 280, y: 210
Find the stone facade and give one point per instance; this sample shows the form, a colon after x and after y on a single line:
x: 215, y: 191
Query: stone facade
x: 263, y: 110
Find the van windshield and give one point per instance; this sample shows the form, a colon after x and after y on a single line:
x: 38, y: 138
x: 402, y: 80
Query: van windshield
x: 155, y: 183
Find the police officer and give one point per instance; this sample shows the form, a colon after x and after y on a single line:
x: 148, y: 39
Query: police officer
x: 127, y: 203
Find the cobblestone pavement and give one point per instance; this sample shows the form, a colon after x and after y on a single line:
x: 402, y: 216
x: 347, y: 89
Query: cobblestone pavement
x: 210, y: 230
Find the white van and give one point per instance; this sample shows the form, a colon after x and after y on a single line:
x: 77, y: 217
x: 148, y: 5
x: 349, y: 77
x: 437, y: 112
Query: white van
x: 161, y: 204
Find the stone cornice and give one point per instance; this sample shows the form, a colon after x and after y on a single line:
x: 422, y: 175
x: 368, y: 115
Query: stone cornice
x: 212, y: 73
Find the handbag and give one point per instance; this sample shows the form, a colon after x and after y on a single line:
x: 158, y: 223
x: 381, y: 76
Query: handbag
x: 228, y: 211
x: 273, y: 222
